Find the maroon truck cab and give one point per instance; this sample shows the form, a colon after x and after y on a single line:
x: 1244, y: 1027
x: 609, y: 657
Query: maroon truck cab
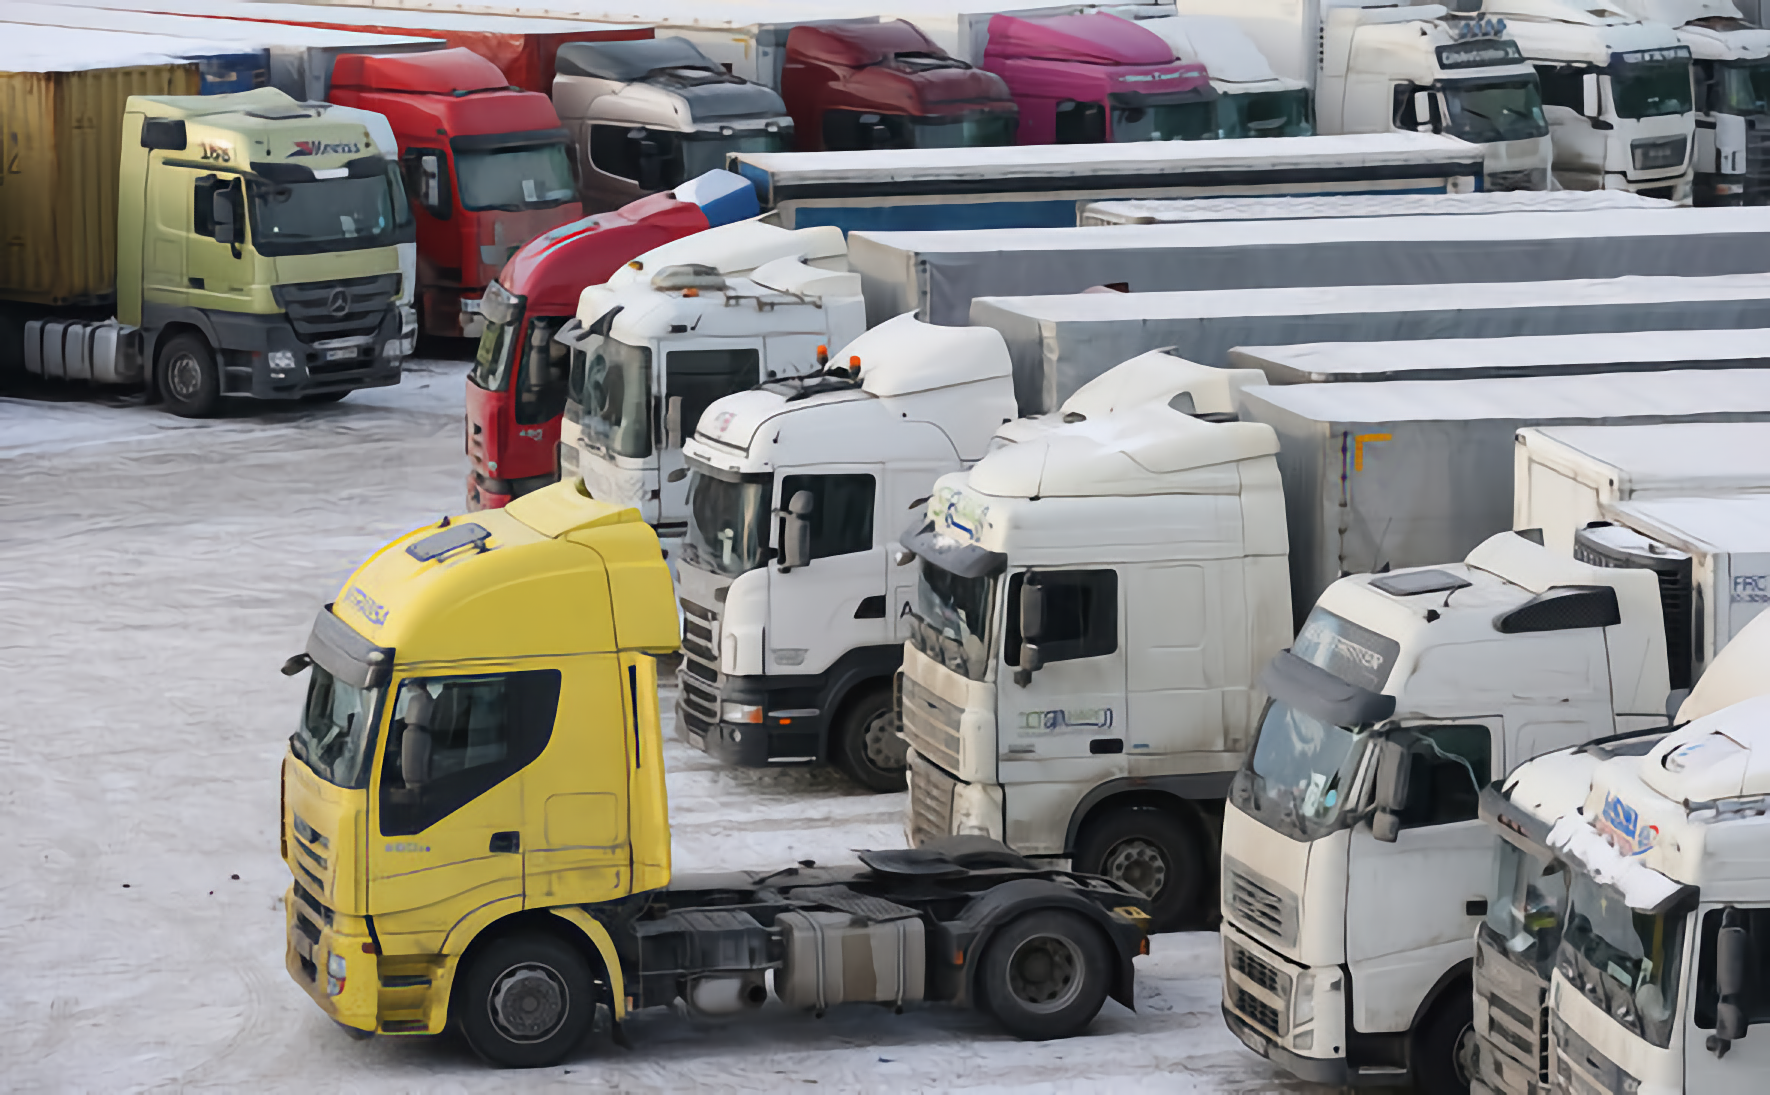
x: 887, y: 85
x: 488, y: 169
x: 516, y: 389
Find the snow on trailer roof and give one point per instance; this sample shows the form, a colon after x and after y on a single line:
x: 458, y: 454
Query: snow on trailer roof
x: 1522, y: 355
x: 426, y: 19
x: 1315, y: 206
x: 1729, y: 523
x: 1670, y: 457
x: 1086, y: 160
x: 238, y: 31
x: 31, y: 48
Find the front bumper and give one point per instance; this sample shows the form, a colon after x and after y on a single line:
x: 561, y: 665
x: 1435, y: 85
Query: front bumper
x: 1331, y: 1072
x: 316, y: 940
x: 782, y: 738
x: 1294, y: 1015
x: 262, y: 356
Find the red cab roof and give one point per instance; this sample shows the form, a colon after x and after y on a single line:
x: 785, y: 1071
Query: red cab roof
x: 857, y: 44
x: 438, y: 72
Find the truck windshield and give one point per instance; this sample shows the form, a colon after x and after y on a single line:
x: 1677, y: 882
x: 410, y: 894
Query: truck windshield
x: 1651, y: 89
x: 1743, y: 87
x: 497, y: 343
x: 727, y: 522
x: 537, y: 177
x: 702, y: 152
x: 952, y: 619
x: 1298, y: 777
x: 1490, y: 111
x: 1192, y: 121
x: 979, y: 130
x: 337, y: 729
x: 1624, y: 961
x: 611, y: 382
x: 311, y: 218
x: 1265, y: 114
x: 1528, y: 908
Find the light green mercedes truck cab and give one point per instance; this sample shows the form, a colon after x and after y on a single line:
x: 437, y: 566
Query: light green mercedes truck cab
x: 256, y: 255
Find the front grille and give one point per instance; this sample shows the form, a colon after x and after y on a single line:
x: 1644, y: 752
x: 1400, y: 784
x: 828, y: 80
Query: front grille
x: 1659, y: 153
x: 931, y: 801
x: 1262, y: 908
x: 317, y: 315
x: 1255, y: 970
x: 1249, y: 980
x: 697, y: 640
x: 1257, y: 1010
x: 697, y: 679
x: 1530, y: 179
x: 930, y: 724
x: 313, y: 903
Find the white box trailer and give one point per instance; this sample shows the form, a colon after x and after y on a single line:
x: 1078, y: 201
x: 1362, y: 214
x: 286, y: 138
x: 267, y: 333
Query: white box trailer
x: 1040, y: 186
x: 1316, y: 206
x: 1568, y: 476
x: 936, y: 274
x: 1059, y: 343
x: 1712, y: 558
x: 1525, y: 355
x: 1411, y: 472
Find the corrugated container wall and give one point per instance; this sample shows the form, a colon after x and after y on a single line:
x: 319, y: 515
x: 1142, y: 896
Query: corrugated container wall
x: 58, y: 182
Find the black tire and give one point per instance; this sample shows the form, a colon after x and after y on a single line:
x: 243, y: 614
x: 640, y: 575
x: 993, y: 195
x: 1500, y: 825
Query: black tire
x: 1153, y: 852
x: 525, y: 1001
x: 867, y: 745
x: 187, y: 376
x: 1045, y: 975
x: 1442, y: 1049
x: 324, y: 397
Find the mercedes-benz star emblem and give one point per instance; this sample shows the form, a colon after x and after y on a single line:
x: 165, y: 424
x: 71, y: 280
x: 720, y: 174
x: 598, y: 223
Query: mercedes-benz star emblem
x: 338, y: 303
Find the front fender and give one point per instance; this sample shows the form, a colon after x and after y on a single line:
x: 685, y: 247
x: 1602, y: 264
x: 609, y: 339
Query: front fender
x: 605, y: 946
x: 989, y: 911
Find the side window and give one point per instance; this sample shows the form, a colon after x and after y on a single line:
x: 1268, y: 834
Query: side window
x: 650, y: 157
x: 841, y: 511
x: 426, y: 172
x: 850, y: 130
x: 453, y: 739
x: 698, y: 377
x: 1562, y: 86
x: 1755, y: 1000
x: 1450, y: 766
x: 1080, y: 123
x: 203, y: 203
x: 1081, y: 614
x: 541, y: 377
x: 612, y: 153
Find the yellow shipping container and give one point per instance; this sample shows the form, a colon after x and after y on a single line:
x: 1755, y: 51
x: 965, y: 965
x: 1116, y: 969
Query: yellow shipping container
x: 58, y: 182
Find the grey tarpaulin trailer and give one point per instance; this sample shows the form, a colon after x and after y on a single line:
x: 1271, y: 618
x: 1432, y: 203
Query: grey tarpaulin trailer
x: 1526, y: 355
x: 1059, y: 343
x: 1315, y: 206
x: 936, y: 274
x: 1410, y: 472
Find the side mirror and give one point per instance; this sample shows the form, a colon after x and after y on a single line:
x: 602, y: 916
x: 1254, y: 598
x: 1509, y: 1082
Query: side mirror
x: 430, y: 182
x: 1423, y: 111
x: 796, y: 532
x: 1393, y: 771
x: 1591, y: 105
x: 673, y: 422
x: 221, y: 213
x: 1732, y: 966
x: 1032, y: 611
x: 1031, y: 661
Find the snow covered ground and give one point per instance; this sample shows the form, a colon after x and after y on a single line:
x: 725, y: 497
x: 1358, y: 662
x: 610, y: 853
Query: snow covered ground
x: 154, y: 573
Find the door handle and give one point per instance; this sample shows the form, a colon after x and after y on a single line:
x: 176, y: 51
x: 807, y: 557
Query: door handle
x: 506, y: 842
x: 1475, y: 907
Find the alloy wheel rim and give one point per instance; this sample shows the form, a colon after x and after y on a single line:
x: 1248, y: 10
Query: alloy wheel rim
x: 528, y: 1002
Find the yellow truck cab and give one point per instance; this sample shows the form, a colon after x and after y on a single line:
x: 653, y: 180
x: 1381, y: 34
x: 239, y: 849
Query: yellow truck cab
x: 256, y: 254
x: 475, y: 822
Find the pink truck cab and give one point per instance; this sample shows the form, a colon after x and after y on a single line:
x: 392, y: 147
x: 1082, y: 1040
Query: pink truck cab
x: 1089, y: 79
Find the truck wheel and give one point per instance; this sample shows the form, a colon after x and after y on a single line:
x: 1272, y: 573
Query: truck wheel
x: 188, y: 380
x: 526, y: 1001
x: 868, y: 747
x: 1045, y: 975
x: 1154, y: 853
x: 1443, y: 1049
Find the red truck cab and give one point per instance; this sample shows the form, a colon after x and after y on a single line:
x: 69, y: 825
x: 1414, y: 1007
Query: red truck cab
x: 488, y: 168
x: 516, y: 389
x: 855, y: 86
x: 1088, y: 79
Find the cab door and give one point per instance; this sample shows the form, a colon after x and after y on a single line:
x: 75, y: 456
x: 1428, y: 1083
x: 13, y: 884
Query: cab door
x: 576, y: 841
x: 836, y: 603
x: 447, y: 815
x: 1073, y: 705
x: 217, y: 266
x: 1412, y: 907
x: 1747, y: 1060
x: 696, y: 373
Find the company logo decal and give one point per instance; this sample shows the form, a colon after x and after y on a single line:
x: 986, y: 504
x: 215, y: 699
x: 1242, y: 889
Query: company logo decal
x: 532, y: 435
x: 1055, y: 722
x: 1751, y: 589
x: 407, y: 846
x: 371, y: 609
x: 325, y: 148
x: 959, y: 512
x: 723, y: 420
x: 1621, y: 823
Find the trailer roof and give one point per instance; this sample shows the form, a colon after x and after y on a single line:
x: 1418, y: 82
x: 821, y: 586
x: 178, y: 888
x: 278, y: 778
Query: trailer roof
x: 1094, y: 160
x: 495, y: 23
x: 1315, y: 206
x: 1360, y: 360
x: 1690, y: 458
x: 1606, y: 395
x: 32, y: 48
x: 1730, y: 523
x: 236, y: 31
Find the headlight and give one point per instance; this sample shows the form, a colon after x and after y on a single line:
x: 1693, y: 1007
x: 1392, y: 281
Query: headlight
x: 1303, y: 1003
x: 739, y: 712
x: 335, y: 965
x: 282, y: 360
x: 334, y: 975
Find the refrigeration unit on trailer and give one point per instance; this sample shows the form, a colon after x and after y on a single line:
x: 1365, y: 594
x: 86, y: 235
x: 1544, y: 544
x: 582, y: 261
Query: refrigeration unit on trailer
x: 1566, y: 476
x: 1059, y: 343
x: 935, y: 274
x: 1616, y: 91
x: 1040, y: 186
x: 1377, y: 67
x: 679, y: 327
x: 1321, y: 206
x: 646, y: 116
x: 791, y: 642
x: 517, y: 387
x: 1252, y: 99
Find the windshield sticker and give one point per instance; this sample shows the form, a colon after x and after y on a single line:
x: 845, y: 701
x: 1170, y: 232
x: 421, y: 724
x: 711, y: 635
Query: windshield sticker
x: 1356, y: 655
x: 1647, y: 56
x: 1621, y: 825
x: 371, y: 609
x: 1483, y: 53
x: 1058, y: 721
x: 959, y: 512
x: 325, y: 148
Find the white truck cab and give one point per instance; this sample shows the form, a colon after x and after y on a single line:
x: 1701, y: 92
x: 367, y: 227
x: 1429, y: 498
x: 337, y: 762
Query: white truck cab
x: 1617, y: 93
x: 1092, y: 603
x: 678, y: 328
x: 1355, y: 866
x: 1252, y: 99
x: 794, y: 616
x: 1664, y: 966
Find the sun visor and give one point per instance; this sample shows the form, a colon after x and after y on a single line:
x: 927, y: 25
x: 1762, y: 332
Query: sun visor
x: 954, y: 556
x: 338, y: 649
x: 1314, y: 691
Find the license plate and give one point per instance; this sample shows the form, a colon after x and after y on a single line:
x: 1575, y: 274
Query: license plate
x: 340, y: 355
